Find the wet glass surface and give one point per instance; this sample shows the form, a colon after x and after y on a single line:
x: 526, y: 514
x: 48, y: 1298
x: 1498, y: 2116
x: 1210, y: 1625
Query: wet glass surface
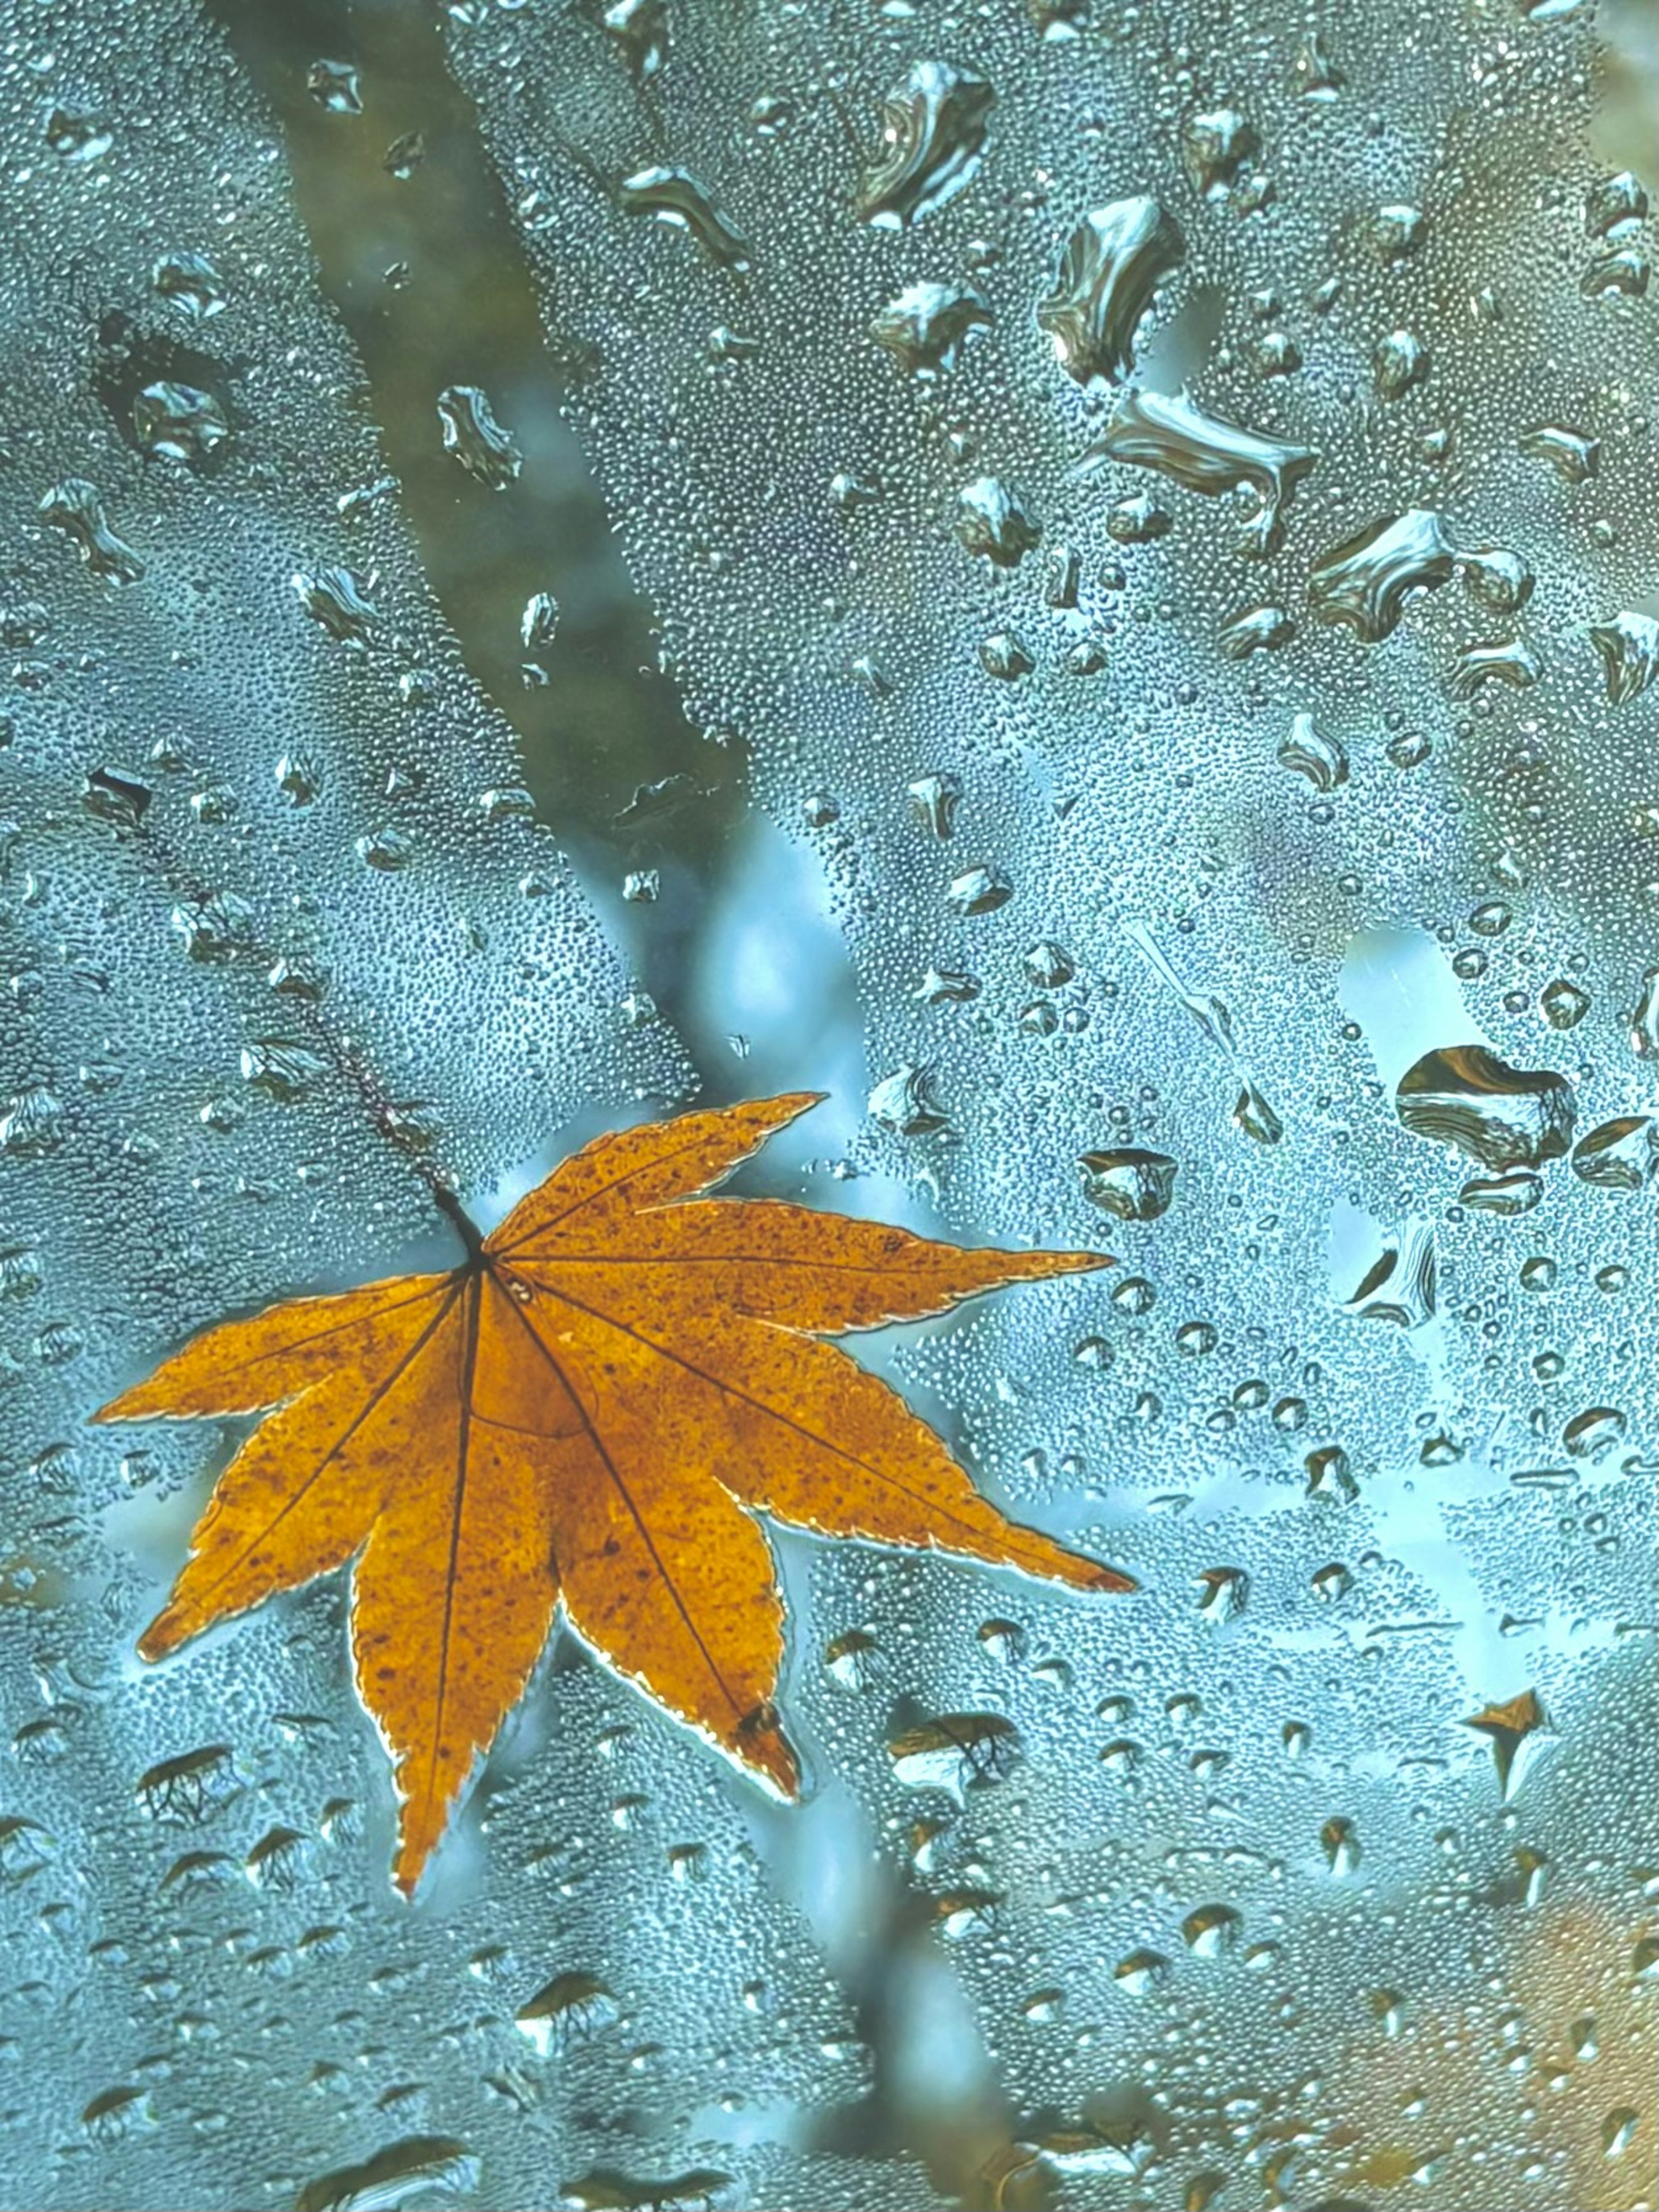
x: 1081, y: 581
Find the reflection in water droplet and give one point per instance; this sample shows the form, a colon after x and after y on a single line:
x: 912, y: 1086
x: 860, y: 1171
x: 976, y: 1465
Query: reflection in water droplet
x: 1400, y: 360
x: 335, y: 86
x: 1518, y: 1730
x: 178, y: 421
x: 1224, y: 1592
x: 1366, y: 581
x: 1340, y: 1846
x: 1113, y: 263
x: 1502, y: 1116
x: 1629, y: 650
x: 1214, y: 146
x: 1509, y: 662
x: 926, y: 326
x: 1618, y: 1155
x: 189, y: 283
x: 1517, y: 1192
x: 956, y: 1752
x: 978, y: 890
x: 1254, y: 629
x: 994, y: 519
x: 904, y: 1104
x: 1131, y: 1185
x: 933, y: 126
x: 675, y: 196
x: 1399, y: 1285
x: 74, y: 507
x: 477, y: 441
x: 1574, y: 456
x: 1204, y: 453
x: 337, y: 599
x: 1308, y: 752
x: 1398, y: 233
x: 570, y: 2009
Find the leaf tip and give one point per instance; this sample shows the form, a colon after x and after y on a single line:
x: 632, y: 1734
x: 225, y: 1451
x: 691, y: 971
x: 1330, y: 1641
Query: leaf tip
x: 116, y: 1408
x: 1079, y: 1263
x: 768, y: 1752
x: 164, y: 1635
x: 792, y: 1104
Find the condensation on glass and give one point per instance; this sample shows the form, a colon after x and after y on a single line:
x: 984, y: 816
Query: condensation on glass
x: 1168, y: 506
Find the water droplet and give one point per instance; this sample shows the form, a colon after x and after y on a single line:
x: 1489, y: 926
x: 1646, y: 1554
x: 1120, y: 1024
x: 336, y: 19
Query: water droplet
x: 1564, y: 1004
x: 1112, y: 265
x: 190, y: 284
x: 281, y: 1068
x: 1130, y: 1184
x: 904, y: 1104
x: 178, y: 421
x: 1005, y: 656
x: 1619, y: 2130
x: 1574, y: 456
x: 1518, y: 1729
x: 1204, y: 453
x: 927, y: 325
x: 1366, y: 581
x: 1400, y: 360
x: 1214, y: 146
x: 956, y: 1752
x: 1496, y: 578
x: 1314, y: 75
x: 121, y: 799
x: 487, y: 452
x: 76, y: 132
x: 215, y: 927
x: 1138, y: 521
x: 570, y: 2009
x: 31, y: 1123
x: 680, y: 199
x: 942, y: 987
x: 335, y: 86
x: 1329, y: 1474
x: 337, y: 600
x: 1618, y: 1155
x: 934, y: 127
x: 1254, y: 629
x: 1340, y: 1845
x: 1509, y: 662
x: 1398, y: 233
x: 74, y: 507
x: 1501, y: 1117
x: 281, y: 1860
x: 404, y: 155
x: 1505, y: 1195
x: 1307, y: 752
x: 539, y: 622
x: 994, y: 520
x: 978, y: 890
x: 387, y: 850
x: 1211, y: 1931
x: 1141, y: 1973
x: 1224, y: 1592
x: 855, y: 1660
x: 1629, y: 650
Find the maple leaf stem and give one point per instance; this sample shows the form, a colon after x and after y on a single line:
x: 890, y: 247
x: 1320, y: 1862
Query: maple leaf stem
x: 455, y: 1213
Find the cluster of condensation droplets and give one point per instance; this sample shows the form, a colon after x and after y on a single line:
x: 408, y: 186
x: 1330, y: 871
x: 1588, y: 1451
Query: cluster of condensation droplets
x: 1171, y: 524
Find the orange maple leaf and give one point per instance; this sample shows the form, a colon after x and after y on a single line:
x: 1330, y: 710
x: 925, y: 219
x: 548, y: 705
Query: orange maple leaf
x: 590, y: 1408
